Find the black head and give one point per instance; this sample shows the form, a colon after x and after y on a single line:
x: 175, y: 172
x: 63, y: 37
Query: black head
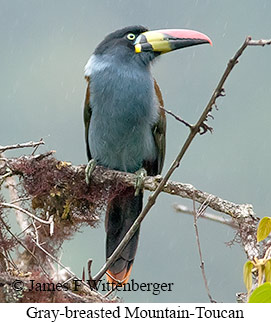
x: 124, y: 37
x: 120, y: 45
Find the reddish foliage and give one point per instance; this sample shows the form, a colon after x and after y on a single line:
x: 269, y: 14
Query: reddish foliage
x: 56, y: 189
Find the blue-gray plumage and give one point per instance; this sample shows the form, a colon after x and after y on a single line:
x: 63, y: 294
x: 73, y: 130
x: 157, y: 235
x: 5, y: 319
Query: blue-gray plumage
x: 124, y: 125
x: 124, y: 109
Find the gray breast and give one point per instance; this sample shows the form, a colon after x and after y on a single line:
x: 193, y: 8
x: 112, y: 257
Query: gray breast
x: 124, y: 108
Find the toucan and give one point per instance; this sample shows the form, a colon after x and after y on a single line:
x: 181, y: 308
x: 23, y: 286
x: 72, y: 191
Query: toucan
x: 125, y: 125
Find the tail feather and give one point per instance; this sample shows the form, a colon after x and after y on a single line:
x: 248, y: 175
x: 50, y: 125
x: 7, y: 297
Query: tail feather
x: 122, y: 211
x: 121, y: 278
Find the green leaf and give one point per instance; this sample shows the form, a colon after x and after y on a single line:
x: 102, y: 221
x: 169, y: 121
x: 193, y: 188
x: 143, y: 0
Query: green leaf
x: 264, y: 228
x: 247, y: 275
x: 261, y: 294
x: 267, y: 271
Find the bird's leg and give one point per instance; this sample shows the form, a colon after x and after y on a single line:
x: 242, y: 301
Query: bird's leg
x: 140, y: 176
x: 89, y: 170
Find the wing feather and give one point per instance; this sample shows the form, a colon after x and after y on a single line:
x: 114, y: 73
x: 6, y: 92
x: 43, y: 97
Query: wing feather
x: 159, y: 135
x: 87, y: 117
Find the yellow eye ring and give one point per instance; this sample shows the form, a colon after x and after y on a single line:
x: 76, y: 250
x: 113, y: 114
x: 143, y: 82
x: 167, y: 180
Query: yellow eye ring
x: 131, y: 36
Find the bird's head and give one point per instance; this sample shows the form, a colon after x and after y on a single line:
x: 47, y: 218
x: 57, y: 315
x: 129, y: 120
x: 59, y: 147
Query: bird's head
x: 138, y: 43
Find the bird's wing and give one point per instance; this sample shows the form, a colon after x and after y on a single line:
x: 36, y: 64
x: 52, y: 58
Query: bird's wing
x: 87, y: 117
x: 159, y: 135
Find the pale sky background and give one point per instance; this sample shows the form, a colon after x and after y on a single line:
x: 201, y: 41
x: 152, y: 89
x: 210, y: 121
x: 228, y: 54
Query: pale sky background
x: 44, y: 47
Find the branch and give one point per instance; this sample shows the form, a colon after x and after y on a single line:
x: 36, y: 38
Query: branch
x: 24, y: 246
x: 216, y: 203
x: 196, y: 215
x: 243, y: 213
x: 20, y: 217
x: 13, y: 206
x: 108, y: 176
x: 204, y: 126
x: 208, y: 216
x: 176, y: 117
x: 151, y: 183
x: 260, y: 42
x: 32, y: 144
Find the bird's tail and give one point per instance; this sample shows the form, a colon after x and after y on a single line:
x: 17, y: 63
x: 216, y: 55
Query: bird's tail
x: 122, y: 211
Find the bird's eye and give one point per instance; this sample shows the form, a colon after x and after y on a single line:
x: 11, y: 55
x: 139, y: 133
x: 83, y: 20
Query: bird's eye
x: 131, y: 36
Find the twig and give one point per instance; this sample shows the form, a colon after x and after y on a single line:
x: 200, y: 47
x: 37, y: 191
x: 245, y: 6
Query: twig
x: 24, y: 246
x: 36, y: 147
x: 207, y: 216
x: 5, y: 176
x: 20, y: 199
x: 193, y: 131
x: 196, y: 215
x: 13, y: 206
x: 54, y: 259
x: 176, y: 117
x: 202, y: 130
x: 20, y: 216
x: 8, y: 261
x: 114, y: 287
x: 36, y: 231
x: 85, y: 286
x: 260, y: 42
x: 91, y: 282
x: 23, y: 145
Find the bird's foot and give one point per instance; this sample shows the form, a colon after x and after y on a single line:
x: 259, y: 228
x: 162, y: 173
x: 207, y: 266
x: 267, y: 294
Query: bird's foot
x: 89, y: 170
x: 140, y: 176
